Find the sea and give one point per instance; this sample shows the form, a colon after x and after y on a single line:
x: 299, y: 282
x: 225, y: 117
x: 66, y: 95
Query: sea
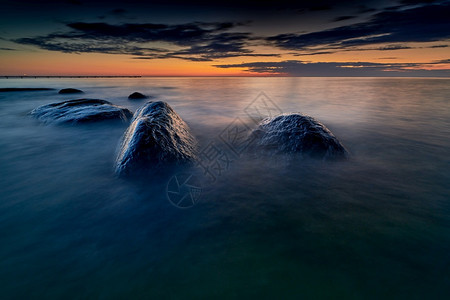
x: 374, y: 226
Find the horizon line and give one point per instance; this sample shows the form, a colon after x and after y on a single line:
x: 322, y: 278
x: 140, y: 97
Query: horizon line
x: 153, y: 76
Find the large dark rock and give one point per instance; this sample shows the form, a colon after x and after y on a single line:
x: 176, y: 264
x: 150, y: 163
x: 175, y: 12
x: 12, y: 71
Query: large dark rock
x: 80, y: 111
x: 70, y: 91
x: 296, y: 133
x: 156, y: 139
x: 137, y: 96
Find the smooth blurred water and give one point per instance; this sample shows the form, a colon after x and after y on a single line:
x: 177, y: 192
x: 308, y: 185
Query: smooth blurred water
x: 376, y: 226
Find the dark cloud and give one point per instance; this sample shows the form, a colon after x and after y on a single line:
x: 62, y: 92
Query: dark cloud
x: 298, y: 67
x: 7, y: 49
x: 402, y: 4
x: 224, y: 45
x: 415, y: 2
x: 362, y: 9
x: 206, y: 41
x: 419, y: 24
x: 197, y: 41
x: 443, y: 61
x: 313, y: 7
x: 218, y: 5
x: 181, y: 34
x: 394, y: 47
x: 91, y: 47
x: 203, y: 57
x: 388, y: 30
x: 343, y: 18
x: 118, y: 11
x: 313, y: 53
x: 74, y: 2
x: 319, y: 7
x: 302, y: 68
x: 395, y: 7
x: 358, y: 49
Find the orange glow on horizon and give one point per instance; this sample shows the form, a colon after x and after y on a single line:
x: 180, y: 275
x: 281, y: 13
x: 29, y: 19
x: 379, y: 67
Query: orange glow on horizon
x: 46, y: 63
x: 63, y: 64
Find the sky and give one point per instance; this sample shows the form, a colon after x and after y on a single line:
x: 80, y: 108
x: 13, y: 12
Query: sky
x: 225, y: 38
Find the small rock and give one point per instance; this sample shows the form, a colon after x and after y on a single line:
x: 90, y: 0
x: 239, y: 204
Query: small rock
x: 69, y: 91
x: 137, y: 95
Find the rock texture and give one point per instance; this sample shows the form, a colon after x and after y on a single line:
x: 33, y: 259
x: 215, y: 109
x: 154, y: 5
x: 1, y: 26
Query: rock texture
x: 80, y: 111
x: 137, y: 96
x: 156, y: 139
x: 70, y: 91
x: 296, y: 133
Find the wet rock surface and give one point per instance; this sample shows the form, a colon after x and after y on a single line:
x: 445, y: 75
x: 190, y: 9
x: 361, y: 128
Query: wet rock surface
x: 296, y: 133
x: 80, y: 111
x: 156, y: 139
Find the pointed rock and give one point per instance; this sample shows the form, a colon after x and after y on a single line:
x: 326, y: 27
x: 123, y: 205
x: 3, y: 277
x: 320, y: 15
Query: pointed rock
x: 156, y: 138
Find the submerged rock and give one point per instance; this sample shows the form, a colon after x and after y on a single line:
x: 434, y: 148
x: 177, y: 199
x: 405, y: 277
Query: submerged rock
x: 136, y: 96
x: 80, y: 111
x: 156, y: 139
x: 296, y: 133
x: 70, y: 91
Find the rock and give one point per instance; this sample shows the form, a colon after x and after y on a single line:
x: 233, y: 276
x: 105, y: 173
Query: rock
x: 69, y: 91
x: 136, y: 96
x: 296, y: 133
x: 80, y: 111
x: 156, y: 139
x: 24, y: 89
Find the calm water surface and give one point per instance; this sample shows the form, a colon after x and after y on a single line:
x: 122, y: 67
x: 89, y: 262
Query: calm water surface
x: 376, y: 226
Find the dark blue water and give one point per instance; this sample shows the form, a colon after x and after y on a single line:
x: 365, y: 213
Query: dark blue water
x: 376, y: 226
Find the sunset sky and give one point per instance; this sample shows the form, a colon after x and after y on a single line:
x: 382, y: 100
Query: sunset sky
x: 225, y: 38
